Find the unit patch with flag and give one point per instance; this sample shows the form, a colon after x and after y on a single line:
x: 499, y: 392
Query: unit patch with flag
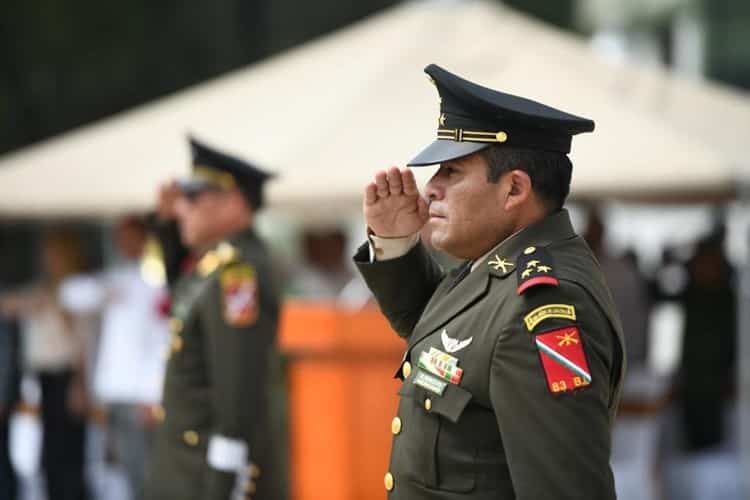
x: 563, y: 359
x: 240, y: 295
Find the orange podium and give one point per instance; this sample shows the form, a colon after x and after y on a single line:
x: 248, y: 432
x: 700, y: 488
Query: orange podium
x: 342, y: 398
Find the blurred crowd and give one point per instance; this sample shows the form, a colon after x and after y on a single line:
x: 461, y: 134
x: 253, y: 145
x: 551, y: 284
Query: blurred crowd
x: 83, y: 372
x: 77, y: 416
x: 676, y: 432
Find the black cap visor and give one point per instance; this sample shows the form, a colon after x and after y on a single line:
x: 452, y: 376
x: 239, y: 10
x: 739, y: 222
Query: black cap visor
x: 193, y: 186
x: 443, y: 150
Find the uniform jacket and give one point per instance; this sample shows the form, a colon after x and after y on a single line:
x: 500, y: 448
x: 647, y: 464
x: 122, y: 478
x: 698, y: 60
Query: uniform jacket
x: 514, y: 423
x: 224, y: 316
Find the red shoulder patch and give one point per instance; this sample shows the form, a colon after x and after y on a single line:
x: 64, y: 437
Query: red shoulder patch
x: 240, y: 290
x: 563, y: 359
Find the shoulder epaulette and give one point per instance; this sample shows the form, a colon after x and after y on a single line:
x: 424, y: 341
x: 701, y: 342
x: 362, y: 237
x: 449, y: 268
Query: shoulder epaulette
x: 535, y: 267
x: 224, y: 254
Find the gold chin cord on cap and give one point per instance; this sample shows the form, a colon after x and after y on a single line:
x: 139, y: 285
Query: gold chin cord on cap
x: 224, y: 180
x: 461, y: 135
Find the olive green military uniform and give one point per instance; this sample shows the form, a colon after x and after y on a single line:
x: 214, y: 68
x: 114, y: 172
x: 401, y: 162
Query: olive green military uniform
x: 213, y: 443
x: 511, y: 376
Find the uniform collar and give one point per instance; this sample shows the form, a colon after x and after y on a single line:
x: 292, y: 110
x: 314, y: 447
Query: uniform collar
x: 225, y: 252
x: 501, y: 261
x: 244, y: 235
x: 486, y: 256
x: 554, y: 227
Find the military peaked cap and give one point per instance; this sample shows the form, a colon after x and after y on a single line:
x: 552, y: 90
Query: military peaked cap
x: 214, y: 170
x: 473, y: 117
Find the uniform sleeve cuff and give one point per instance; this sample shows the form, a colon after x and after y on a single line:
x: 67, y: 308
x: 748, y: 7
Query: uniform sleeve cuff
x: 391, y: 248
x: 227, y: 454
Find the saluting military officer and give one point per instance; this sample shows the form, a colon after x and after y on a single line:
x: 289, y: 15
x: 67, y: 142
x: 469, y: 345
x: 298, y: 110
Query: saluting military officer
x: 213, y: 443
x: 511, y: 375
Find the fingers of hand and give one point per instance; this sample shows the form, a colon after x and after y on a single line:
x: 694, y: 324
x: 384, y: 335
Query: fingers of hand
x: 409, y: 182
x: 423, y: 208
x: 381, y: 181
x: 371, y: 193
x: 168, y: 186
x: 394, y: 181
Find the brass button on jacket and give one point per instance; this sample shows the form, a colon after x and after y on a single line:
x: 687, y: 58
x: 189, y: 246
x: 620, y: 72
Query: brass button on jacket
x: 177, y: 343
x: 396, y: 425
x: 191, y: 438
x: 158, y: 413
x: 388, y: 480
x: 175, y: 325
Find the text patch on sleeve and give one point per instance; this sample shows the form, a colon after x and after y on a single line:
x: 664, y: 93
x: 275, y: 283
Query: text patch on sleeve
x: 561, y: 311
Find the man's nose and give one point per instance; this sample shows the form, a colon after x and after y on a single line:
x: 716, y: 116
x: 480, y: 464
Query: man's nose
x: 432, y: 190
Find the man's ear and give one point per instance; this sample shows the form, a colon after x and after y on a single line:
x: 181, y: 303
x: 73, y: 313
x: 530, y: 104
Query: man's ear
x: 519, y: 189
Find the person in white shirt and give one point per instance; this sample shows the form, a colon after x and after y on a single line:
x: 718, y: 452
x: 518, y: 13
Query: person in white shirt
x: 129, y: 365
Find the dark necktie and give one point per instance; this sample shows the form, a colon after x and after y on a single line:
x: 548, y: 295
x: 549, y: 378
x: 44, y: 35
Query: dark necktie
x: 463, y: 271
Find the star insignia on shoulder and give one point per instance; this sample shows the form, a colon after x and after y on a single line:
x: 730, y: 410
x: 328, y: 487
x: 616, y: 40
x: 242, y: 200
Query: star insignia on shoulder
x: 498, y: 263
x: 537, y: 265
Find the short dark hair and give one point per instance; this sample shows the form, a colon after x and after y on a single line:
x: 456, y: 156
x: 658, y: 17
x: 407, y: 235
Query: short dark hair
x: 253, y: 194
x: 549, y: 171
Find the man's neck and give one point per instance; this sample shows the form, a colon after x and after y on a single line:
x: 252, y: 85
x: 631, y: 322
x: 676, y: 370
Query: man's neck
x: 529, y: 217
x: 528, y: 220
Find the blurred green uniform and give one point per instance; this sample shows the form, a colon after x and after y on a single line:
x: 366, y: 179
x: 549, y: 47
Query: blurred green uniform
x: 214, y: 442
x: 224, y: 321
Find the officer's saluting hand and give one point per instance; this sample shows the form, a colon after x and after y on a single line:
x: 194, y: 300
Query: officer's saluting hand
x: 392, y: 204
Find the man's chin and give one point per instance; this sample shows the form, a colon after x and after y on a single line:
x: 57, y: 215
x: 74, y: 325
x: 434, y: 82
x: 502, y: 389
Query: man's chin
x: 438, y: 241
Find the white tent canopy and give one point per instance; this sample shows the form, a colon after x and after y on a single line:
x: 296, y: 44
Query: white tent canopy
x: 327, y: 115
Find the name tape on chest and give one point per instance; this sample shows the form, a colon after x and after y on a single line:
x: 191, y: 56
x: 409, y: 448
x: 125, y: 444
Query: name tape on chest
x: 563, y: 359
x: 430, y: 382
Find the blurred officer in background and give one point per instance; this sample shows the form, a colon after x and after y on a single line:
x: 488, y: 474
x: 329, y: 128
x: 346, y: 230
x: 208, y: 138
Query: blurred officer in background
x: 513, y: 368
x: 214, y: 442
